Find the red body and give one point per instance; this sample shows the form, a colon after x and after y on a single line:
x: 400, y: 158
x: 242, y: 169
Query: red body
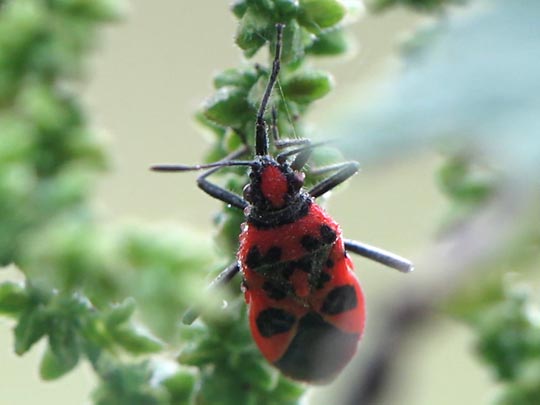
x: 306, y: 308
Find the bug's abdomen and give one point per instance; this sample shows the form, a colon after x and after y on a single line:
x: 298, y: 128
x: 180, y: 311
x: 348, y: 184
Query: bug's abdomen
x: 311, y: 340
x: 306, y: 308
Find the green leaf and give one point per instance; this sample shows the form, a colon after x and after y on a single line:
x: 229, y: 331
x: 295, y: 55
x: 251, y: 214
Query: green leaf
x: 286, y: 9
x: 121, y: 313
x: 17, y: 139
x: 180, y: 386
x: 228, y: 107
x: 329, y: 43
x: 13, y: 298
x: 250, y: 34
x: 64, y: 342
x: 232, y: 141
x: 135, y: 341
x: 200, y: 353
x: 509, y: 336
x: 316, y: 15
x: 294, y: 42
x: 127, y: 384
x: 261, y: 374
x: 236, y: 77
x: 53, y: 367
x: 307, y: 86
x: 49, y: 110
x: 32, y: 326
x: 22, y: 21
x: 239, y: 8
x: 215, y: 128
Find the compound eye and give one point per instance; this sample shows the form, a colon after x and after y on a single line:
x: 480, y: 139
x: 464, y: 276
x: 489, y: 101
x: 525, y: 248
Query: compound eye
x: 247, y: 193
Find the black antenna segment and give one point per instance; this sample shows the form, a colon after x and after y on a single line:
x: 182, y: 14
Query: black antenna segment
x: 261, y: 131
x: 186, y: 168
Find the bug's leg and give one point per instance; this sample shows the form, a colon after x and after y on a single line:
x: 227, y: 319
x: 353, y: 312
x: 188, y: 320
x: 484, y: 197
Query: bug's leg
x: 344, y: 171
x: 379, y: 255
x: 218, y: 192
x: 222, y: 279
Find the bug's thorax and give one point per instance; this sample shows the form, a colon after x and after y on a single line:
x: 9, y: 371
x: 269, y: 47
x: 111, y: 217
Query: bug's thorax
x: 274, y: 192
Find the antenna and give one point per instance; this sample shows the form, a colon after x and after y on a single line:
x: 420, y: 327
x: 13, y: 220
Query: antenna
x: 261, y: 133
x: 185, y: 168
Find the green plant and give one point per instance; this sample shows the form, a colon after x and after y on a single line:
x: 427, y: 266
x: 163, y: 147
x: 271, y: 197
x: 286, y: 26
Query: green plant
x: 83, y: 280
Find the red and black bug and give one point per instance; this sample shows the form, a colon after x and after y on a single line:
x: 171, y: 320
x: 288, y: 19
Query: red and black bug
x: 306, y: 307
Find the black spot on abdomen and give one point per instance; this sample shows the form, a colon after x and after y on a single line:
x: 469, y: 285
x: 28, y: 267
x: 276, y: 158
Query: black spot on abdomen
x: 273, y: 321
x: 318, y: 351
x: 274, y: 292
x: 310, y: 243
x: 339, y: 300
x: 328, y: 235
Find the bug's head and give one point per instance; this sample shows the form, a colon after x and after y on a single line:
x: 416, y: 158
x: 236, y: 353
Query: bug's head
x: 272, y: 185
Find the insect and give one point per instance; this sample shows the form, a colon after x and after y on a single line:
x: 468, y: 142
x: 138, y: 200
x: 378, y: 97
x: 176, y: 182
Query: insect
x: 306, y: 306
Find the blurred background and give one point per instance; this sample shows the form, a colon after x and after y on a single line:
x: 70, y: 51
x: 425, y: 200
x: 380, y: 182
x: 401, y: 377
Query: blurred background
x: 146, y: 80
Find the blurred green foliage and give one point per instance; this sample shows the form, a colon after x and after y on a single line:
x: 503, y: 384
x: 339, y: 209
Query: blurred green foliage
x: 478, y: 106
x: 80, y: 275
x: 495, y: 300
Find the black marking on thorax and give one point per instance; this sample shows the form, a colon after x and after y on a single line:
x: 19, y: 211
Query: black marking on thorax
x: 292, y: 212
